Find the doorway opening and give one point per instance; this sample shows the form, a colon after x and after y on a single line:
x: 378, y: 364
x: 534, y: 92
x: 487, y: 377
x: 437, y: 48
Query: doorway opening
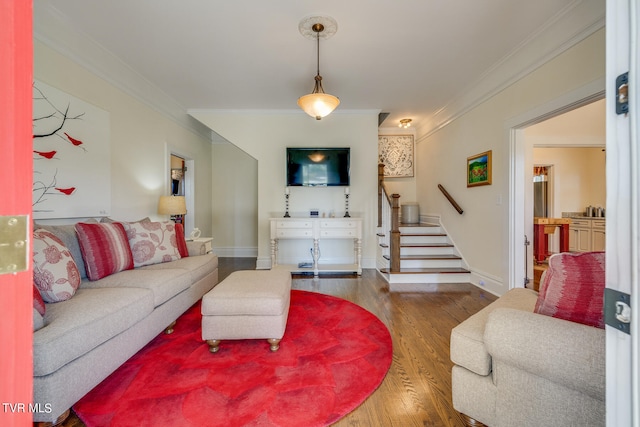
x: 521, y: 172
x: 181, y: 183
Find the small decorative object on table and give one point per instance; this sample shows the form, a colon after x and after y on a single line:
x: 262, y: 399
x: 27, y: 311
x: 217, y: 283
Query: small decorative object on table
x: 346, y: 202
x: 286, y: 197
x: 195, y: 233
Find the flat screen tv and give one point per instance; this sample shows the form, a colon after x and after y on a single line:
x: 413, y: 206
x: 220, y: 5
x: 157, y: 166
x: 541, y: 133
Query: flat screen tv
x: 318, y: 167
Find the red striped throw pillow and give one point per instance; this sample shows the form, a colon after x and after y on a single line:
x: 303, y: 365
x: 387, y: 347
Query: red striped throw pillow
x: 181, y: 242
x: 105, y: 249
x: 572, y: 288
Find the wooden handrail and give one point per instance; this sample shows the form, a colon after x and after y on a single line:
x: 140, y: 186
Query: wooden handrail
x: 450, y: 199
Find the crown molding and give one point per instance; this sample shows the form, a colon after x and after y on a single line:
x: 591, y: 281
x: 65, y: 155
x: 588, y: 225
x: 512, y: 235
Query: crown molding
x: 576, y: 22
x: 53, y: 29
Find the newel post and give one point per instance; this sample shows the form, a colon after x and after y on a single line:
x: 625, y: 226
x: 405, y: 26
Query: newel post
x: 380, y: 192
x: 395, y: 234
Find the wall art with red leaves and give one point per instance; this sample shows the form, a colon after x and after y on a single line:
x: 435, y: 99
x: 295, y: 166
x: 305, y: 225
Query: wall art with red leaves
x: 71, y: 156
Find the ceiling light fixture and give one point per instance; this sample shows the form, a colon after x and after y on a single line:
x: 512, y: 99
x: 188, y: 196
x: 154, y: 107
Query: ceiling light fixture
x: 405, y: 123
x: 318, y: 104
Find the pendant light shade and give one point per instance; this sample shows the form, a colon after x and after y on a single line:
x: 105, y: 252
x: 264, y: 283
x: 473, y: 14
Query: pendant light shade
x: 318, y: 104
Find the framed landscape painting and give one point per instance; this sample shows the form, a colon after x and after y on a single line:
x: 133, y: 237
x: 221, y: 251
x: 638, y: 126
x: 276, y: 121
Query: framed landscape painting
x: 479, y: 169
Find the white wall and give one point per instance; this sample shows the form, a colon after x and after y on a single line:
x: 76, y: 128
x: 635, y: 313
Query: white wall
x: 481, y: 233
x: 141, y: 142
x: 265, y: 136
x: 235, y: 202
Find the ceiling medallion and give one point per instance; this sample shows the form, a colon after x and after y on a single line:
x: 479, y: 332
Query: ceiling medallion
x: 328, y: 23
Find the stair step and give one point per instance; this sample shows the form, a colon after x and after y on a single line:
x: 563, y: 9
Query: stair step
x: 425, y: 245
x: 421, y: 234
x: 426, y: 257
x: 450, y: 270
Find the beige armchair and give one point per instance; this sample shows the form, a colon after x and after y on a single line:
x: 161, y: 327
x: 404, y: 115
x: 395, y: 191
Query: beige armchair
x: 514, y: 367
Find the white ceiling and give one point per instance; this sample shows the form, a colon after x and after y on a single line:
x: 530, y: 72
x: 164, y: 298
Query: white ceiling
x: 407, y: 57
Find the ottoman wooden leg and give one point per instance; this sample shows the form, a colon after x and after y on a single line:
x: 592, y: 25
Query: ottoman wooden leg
x: 214, y: 345
x: 169, y: 329
x: 274, y: 344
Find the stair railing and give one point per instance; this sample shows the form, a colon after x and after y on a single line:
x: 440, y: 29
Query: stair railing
x: 389, y: 220
x: 451, y: 199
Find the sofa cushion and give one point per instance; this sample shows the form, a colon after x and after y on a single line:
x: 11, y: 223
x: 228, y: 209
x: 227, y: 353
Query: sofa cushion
x: 91, y: 317
x: 68, y: 235
x: 196, y: 266
x: 55, y: 273
x: 152, y: 242
x: 105, y: 249
x: 163, y: 283
x: 107, y: 219
x: 572, y: 288
x: 467, y: 339
x: 38, y: 320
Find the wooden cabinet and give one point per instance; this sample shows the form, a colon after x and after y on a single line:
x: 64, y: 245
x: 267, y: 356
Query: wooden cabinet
x: 317, y: 229
x: 598, y: 235
x: 587, y: 234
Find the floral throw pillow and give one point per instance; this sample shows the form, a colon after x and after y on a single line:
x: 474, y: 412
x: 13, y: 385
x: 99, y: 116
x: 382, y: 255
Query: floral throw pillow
x: 152, y: 242
x: 55, y: 273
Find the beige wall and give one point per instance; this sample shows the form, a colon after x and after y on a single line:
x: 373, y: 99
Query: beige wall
x: 579, y: 177
x: 481, y: 233
x: 235, y: 202
x: 265, y: 138
x: 141, y: 142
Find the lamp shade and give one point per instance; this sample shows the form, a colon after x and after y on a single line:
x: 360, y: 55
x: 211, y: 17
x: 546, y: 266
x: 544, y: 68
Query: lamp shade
x: 172, y: 205
x: 318, y: 105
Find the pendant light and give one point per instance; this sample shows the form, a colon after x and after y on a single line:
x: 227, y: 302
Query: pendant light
x: 318, y: 104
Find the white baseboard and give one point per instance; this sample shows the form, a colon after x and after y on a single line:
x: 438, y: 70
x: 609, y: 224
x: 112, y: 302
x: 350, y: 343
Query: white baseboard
x: 235, y: 252
x: 488, y: 282
x: 264, y: 263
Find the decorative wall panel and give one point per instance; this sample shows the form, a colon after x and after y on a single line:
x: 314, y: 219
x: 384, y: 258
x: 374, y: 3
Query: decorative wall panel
x: 396, y: 153
x: 71, y: 156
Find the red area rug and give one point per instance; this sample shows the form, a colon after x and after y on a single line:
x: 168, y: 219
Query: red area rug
x: 333, y: 355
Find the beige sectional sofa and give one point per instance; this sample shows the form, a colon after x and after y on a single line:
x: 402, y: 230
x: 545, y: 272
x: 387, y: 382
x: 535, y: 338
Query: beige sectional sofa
x: 80, y: 341
x: 514, y: 367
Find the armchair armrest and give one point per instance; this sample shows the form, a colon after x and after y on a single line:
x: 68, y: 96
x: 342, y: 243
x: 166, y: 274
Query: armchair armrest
x: 563, y: 352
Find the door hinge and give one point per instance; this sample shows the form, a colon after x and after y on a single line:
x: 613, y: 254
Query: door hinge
x: 622, y: 93
x: 13, y: 244
x: 617, y: 310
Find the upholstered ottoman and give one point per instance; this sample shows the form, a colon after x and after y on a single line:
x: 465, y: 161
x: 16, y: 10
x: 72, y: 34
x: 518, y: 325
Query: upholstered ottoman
x: 249, y: 304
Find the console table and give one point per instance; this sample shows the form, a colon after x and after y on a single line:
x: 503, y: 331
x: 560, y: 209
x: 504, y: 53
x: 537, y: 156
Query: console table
x: 317, y: 229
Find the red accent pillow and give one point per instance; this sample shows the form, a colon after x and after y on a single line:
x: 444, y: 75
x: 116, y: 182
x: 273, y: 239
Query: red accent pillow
x: 105, y: 249
x: 38, y: 302
x: 180, y: 241
x: 572, y: 288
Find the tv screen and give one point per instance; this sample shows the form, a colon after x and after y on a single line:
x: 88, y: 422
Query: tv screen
x: 311, y: 167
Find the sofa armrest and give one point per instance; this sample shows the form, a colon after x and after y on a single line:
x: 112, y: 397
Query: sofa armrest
x: 563, y: 352
x: 196, y: 248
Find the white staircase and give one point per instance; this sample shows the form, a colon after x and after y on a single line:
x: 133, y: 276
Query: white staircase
x: 427, y: 257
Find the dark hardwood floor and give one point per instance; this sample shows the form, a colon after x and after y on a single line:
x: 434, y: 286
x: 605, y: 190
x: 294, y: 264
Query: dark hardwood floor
x: 417, y: 388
